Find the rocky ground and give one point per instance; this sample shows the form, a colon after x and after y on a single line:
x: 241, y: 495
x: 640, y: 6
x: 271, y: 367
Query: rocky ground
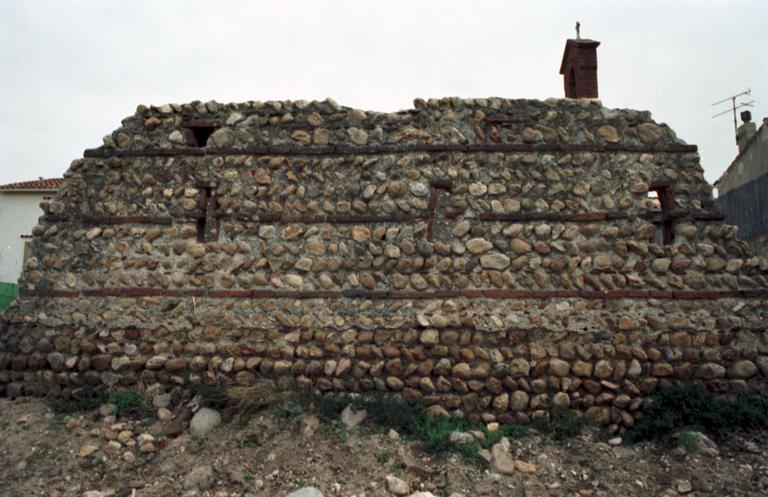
x: 95, y: 454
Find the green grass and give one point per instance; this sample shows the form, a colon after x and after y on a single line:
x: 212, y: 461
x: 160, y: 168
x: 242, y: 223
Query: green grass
x: 563, y: 424
x: 127, y: 403
x: 693, y: 407
x: 56, y: 424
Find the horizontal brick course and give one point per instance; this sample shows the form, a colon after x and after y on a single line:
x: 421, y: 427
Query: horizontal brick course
x: 386, y: 149
x: 401, y: 295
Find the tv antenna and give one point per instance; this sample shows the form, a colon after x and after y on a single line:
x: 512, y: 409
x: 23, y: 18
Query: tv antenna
x: 734, y: 106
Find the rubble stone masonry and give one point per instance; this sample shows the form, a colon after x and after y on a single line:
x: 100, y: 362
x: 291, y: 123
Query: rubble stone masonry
x: 489, y: 255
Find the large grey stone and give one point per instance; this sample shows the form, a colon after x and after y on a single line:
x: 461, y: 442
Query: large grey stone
x: 204, y: 421
x: 306, y: 492
x: 200, y: 478
x: 501, y: 459
x: 352, y: 418
x: 462, y: 437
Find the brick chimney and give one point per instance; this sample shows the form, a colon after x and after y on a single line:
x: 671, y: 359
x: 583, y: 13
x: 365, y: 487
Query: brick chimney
x: 579, y: 68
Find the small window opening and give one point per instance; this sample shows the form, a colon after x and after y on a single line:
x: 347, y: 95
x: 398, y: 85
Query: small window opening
x: 572, y: 82
x: 197, y: 136
x: 659, y: 202
x: 207, y: 224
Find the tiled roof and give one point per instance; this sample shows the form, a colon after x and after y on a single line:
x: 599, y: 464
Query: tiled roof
x: 51, y: 184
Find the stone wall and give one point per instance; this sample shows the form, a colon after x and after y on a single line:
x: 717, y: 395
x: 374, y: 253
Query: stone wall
x: 492, y: 256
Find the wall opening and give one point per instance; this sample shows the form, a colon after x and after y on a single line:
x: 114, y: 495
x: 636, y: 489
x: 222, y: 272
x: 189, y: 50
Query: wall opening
x: 572, y: 83
x: 207, y: 205
x: 660, y: 205
x: 197, y: 136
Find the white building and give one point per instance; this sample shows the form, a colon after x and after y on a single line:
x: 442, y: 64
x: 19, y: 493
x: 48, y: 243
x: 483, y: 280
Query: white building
x: 19, y: 212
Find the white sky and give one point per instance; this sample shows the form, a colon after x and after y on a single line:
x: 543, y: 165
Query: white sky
x: 71, y: 70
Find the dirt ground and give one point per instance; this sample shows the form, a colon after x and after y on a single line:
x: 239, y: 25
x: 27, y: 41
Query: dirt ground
x: 91, y: 455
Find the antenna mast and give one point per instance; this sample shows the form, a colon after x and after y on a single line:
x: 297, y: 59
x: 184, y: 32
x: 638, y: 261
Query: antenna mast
x: 734, y: 106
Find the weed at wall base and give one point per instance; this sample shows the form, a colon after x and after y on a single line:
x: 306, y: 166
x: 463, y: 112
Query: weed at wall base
x: 691, y: 406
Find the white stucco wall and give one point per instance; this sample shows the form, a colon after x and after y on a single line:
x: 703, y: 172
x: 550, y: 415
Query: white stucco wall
x: 19, y: 212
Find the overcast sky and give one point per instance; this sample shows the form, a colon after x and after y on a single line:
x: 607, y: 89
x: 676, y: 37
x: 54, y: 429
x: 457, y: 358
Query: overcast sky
x: 71, y: 70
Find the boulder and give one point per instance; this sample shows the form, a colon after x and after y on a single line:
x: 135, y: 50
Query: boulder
x: 204, y: 421
x: 306, y: 492
x: 501, y: 459
x: 352, y: 418
x: 396, y: 486
x: 200, y: 478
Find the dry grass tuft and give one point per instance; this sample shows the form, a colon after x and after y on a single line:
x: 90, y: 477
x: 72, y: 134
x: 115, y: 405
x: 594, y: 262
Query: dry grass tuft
x: 245, y: 401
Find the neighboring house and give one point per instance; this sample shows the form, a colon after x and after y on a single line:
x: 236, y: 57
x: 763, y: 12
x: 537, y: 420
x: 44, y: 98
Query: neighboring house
x: 19, y: 212
x: 743, y: 187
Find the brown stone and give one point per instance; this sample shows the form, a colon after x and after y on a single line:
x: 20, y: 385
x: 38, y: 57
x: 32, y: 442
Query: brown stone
x: 710, y: 371
x: 176, y: 364
x: 742, y: 369
x: 102, y: 362
x: 558, y: 367
x: 582, y: 369
x: 394, y: 383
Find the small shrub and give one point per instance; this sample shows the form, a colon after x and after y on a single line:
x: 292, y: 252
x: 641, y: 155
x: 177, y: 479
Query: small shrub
x: 329, y: 407
x: 562, y: 424
x: 689, y: 406
x: 127, y: 403
x: 83, y: 399
x: 412, y: 421
x: 289, y: 410
x: 689, y: 441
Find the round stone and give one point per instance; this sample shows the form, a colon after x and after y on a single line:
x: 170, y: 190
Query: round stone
x: 204, y: 422
x: 479, y: 245
x: 494, y: 260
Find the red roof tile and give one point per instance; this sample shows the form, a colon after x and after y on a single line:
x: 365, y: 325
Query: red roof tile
x: 51, y: 184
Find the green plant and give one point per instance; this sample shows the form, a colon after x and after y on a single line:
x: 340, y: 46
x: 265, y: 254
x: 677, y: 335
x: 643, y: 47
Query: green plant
x: 689, y: 441
x: 148, y: 420
x: 127, y: 402
x: 82, y: 399
x: 383, y: 457
x: 691, y: 406
x: 410, y: 420
x: 509, y: 431
x: 564, y: 424
x: 561, y: 423
x: 288, y: 411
